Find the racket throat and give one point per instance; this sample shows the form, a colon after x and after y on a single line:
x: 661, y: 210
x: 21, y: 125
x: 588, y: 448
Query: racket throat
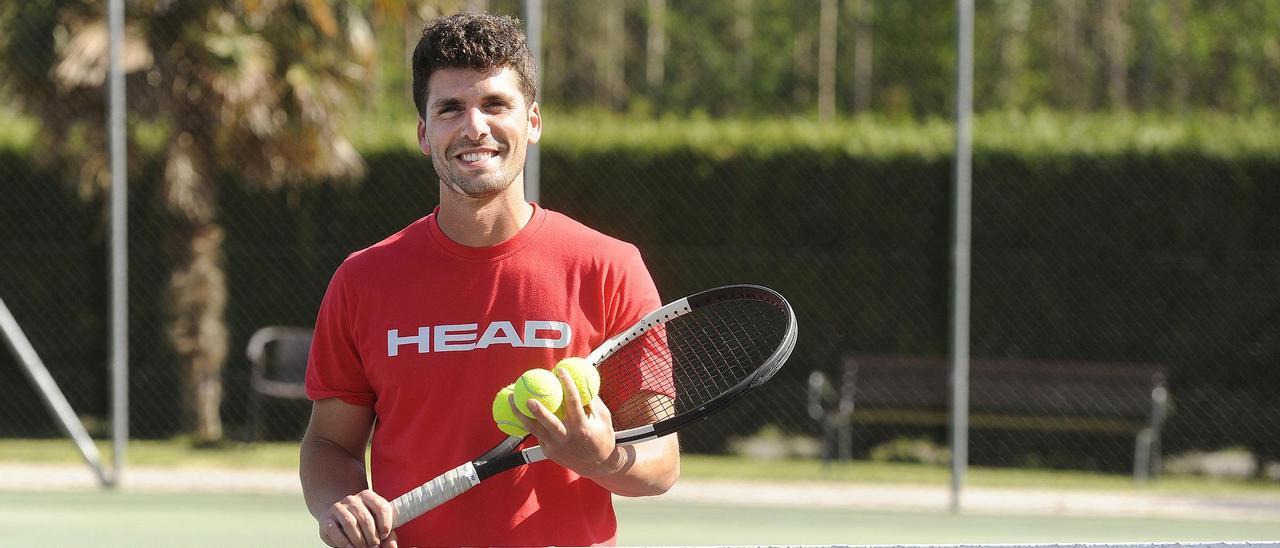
x: 493, y: 467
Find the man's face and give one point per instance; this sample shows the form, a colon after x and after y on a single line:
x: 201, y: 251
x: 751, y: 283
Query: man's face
x: 477, y: 129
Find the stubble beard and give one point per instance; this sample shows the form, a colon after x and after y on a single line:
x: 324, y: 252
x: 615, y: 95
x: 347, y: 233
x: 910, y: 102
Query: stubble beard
x: 479, y: 185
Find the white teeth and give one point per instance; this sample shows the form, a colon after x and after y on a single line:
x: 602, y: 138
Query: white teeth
x: 476, y: 156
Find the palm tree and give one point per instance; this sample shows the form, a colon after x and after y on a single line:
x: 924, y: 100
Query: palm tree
x: 253, y: 88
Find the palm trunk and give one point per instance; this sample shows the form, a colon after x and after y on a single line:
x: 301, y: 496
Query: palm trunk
x: 197, y: 288
x: 198, y: 332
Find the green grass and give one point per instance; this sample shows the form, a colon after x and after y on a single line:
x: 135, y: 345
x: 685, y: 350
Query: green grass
x: 179, y: 453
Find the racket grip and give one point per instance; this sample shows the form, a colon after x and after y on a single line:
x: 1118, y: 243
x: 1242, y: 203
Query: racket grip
x: 434, y: 493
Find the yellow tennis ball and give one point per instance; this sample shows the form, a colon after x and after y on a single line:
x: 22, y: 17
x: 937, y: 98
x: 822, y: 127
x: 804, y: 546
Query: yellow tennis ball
x: 541, y: 385
x: 504, y: 417
x: 584, y: 376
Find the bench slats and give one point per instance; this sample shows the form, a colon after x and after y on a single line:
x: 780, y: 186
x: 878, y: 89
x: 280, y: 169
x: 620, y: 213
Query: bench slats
x: 1008, y: 394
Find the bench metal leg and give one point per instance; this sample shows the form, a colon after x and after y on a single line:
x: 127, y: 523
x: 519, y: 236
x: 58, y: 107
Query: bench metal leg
x: 1142, y: 456
x: 828, y: 443
x: 846, y: 440
x: 255, y: 411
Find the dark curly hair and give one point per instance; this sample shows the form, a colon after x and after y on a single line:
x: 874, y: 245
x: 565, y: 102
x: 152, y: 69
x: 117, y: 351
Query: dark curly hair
x: 482, y: 41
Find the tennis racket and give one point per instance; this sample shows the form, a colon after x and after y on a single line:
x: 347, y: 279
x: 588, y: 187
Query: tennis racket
x: 675, y: 367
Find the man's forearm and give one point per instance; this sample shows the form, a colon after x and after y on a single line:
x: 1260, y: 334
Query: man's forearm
x: 328, y: 473
x: 644, y: 469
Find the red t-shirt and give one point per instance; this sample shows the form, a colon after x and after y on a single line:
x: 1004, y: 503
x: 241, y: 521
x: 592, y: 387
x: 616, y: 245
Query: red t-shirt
x: 426, y: 331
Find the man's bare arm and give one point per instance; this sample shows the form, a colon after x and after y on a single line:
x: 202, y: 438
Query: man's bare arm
x: 334, y: 481
x: 644, y: 469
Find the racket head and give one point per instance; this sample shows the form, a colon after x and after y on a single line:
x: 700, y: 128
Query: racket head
x: 694, y: 356
x: 679, y: 364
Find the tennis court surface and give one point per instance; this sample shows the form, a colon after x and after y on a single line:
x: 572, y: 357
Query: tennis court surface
x: 58, y: 505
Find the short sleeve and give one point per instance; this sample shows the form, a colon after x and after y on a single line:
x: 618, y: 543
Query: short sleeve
x: 334, y: 368
x: 632, y: 292
x: 644, y: 365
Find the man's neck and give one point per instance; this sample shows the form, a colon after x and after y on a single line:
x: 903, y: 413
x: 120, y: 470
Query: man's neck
x: 483, y: 222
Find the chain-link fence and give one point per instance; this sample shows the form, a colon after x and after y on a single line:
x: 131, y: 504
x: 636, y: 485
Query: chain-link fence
x: 1133, y: 255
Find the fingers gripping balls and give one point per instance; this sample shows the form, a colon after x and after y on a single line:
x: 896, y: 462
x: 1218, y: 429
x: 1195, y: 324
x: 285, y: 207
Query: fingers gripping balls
x: 541, y: 385
x: 584, y: 376
x: 544, y: 386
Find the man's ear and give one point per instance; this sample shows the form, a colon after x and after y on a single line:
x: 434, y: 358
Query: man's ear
x: 423, y: 142
x: 535, y: 123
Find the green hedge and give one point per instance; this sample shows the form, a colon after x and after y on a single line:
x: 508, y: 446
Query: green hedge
x: 1035, y: 134
x: 1094, y: 238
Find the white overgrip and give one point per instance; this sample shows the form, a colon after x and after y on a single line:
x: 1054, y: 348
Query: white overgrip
x: 434, y: 493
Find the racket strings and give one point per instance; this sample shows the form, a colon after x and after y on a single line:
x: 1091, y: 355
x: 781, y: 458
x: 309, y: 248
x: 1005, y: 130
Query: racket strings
x: 686, y: 362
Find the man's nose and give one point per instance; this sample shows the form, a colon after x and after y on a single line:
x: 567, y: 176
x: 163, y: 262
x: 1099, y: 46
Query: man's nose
x: 476, y: 125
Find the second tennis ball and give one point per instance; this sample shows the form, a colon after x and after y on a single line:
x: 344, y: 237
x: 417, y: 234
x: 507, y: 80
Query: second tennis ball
x: 541, y: 385
x: 504, y: 417
x: 583, y: 375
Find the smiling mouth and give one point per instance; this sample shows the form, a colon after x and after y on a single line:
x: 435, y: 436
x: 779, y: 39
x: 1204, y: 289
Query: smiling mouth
x: 472, y: 157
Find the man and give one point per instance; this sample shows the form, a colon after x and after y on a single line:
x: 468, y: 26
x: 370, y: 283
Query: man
x: 417, y: 333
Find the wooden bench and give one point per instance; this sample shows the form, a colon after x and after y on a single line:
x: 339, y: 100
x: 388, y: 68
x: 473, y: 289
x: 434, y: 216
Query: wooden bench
x: 1071, y: 396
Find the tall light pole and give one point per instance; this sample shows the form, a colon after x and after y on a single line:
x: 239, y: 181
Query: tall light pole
x: 960, y: 252
x: 533, y: 160
x: 119, y: 343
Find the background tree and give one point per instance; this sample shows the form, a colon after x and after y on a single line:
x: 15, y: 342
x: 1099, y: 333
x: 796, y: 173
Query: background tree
x: 1011, y: 86
x: 863, y: 40
x: 655, y: 45
x: 612, y: 52
x: 827, y: 60
x: 255, y: 89
x: 1116, y: 43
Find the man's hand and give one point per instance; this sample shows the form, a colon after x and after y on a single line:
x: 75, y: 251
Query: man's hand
x: 358, y: 521
x: 584, y: 440
x: 331, y: 468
